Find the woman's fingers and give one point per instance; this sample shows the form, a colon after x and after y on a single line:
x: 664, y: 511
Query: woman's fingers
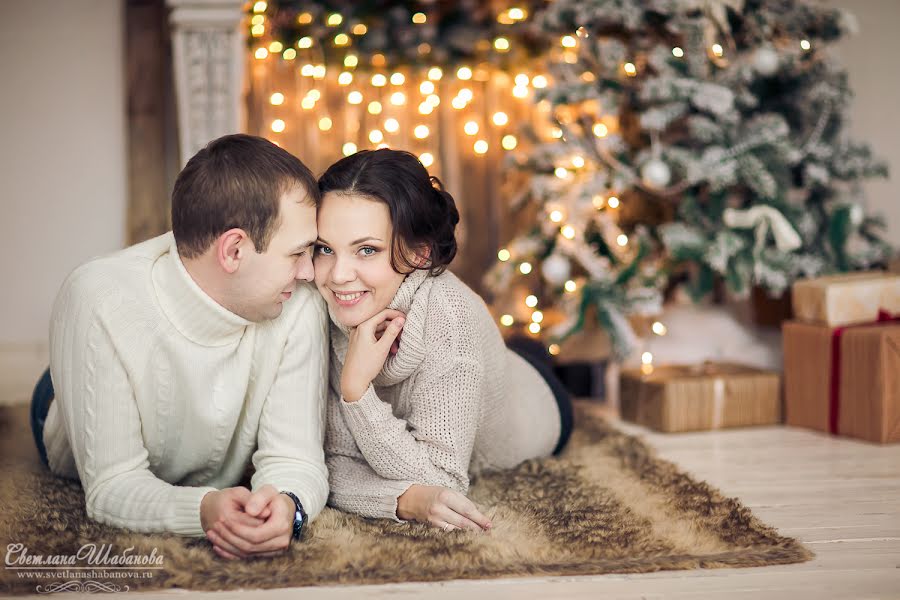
x: 467, y: 509
x: 450, y: 520
x: 385, y: 316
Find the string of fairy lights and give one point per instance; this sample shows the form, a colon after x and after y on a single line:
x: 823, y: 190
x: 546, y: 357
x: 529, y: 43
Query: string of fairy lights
x: 402, y: 101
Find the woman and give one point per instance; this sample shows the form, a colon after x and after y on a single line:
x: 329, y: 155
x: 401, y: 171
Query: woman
x: 412, y: 416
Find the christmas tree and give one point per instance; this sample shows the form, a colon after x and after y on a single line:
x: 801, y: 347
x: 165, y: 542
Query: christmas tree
x: 692, y: 142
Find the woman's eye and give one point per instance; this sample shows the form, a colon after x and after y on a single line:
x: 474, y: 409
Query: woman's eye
x: 324, y: 250
x: 368, y: 250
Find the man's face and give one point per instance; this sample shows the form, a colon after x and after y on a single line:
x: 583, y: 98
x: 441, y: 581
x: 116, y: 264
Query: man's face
x: 267, y: 280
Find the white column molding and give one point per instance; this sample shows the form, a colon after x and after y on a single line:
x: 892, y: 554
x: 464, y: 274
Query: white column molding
x: 208, y: 54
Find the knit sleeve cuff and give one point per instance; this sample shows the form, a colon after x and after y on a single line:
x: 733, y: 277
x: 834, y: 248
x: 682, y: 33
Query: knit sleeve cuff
x: 186, y: 507
x: 369, y: 409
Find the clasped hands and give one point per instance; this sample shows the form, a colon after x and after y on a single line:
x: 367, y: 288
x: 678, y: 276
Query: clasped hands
x: 242, y: 524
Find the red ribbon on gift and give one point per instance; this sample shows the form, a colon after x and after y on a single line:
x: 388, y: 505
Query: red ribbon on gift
x: 884, y: 318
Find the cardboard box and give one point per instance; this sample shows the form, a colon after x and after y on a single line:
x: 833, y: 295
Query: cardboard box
x: 846, y: 299
x: 700, y: 397
x: 844, y: 381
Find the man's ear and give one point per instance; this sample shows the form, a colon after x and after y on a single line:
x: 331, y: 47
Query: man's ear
x: 231, y: 247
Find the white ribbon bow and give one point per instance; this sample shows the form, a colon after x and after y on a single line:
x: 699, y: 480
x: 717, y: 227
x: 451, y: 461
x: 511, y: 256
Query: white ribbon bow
x: 764, y: 218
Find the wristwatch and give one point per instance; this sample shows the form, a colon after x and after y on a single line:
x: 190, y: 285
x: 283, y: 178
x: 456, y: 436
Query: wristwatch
x: 299, y: 515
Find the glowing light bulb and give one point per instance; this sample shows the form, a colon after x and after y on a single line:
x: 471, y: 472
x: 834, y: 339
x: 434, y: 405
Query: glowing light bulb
x: 348, y: 148
x: 525, y: 268
x: 568, y: 41
x: 276, y: 47
x: 258, y: 30
x: 501, y: 44
x: 427, y: 87
x: 600, y: 130
x: 261, y: 53
x: 278, y: 125
x: 379, y: 80
x: 503, y: 255
x: 534, y: 328
x: 325, y: 123
x: 421, y: 132
x: 289, y: 54
x: 435, y: 74
x: 613, y: 202
x: 520, y: 91
x: 568, y: 232
x: 530, y: 301
x: 398, y: 79
x: 647, y: 358
x: 471, y: 128
x: 480, y: 147
x: 677, y: 52
x: 458, y: 103
x: 360, y: 29
x: 509, y: 142
x: 260, y: 7
x: 553, y: 349
x: 464, y: 73
x: 341, y: 39
x: 717, y: 49
x: 539, y: 81
x: 570, y: 286
x: 658, y: 328
x: 345, y: 78
x: 561, y: 172
x: 392, y: 125
x: 577, y: 161
x: 374, y: 107
x: 434, y: 100
x: 398, y: 98
x: 351, y: 60
x: 375, y: 136
x: 522, y: 79
x: 516, y: 14
x: 304, y: 18
x: 507, y: 320
x: 354, y: 97
x: 466, y: 94
x: 805, y: 45
x: 556, y: 216
x: 630, y: 69
x: 419, y: 18
x: 622, y: 239
x: 334, y: 19
x: 537, y: 316
x: 425, y: 108
x: 305, y: 42
x: 307, y: 103
x: 277, y: 99
x: 426, y: 158
x: 500, y: 119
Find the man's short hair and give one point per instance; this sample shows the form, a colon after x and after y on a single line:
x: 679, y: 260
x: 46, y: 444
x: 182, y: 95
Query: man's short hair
x: 236, y: 181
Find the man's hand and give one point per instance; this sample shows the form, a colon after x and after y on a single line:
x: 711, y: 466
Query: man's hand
x: 442, y: 508
x: 241, y: 524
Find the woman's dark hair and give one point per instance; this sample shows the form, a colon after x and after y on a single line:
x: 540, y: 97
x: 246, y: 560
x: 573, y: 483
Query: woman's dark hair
x: 423, y: 215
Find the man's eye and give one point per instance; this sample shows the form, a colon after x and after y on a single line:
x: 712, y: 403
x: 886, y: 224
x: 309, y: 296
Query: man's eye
x: 325, y: 250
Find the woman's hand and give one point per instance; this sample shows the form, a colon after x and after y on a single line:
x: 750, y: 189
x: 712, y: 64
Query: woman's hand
x: 369, y: 346
x: 442, y: 508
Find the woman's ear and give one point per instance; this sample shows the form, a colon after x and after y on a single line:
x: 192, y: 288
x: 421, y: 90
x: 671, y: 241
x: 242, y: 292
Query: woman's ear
x: 422, y: 257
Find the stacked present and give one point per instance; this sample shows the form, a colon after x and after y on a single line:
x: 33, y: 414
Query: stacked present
x: 842, y: 356
x: 699, y: 397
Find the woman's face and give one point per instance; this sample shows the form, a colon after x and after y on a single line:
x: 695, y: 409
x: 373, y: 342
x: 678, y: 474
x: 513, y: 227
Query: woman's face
x: 353, y: 258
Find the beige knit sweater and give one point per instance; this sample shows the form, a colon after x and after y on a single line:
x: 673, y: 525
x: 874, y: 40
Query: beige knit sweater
x: 454, y: 401
x: 163, y: 395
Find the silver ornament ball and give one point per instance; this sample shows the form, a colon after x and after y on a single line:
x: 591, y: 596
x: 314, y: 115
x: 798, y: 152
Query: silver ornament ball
x: 656, y: 173
x: 766, y: 61
x: 556, y: 269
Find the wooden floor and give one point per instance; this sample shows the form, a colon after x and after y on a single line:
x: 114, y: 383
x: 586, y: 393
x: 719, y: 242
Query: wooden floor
x: 841, y: 497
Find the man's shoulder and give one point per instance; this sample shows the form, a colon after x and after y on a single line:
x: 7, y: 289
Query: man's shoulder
x: 103, y: 279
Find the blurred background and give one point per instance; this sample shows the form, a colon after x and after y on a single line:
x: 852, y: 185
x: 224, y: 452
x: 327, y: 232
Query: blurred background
x: 103, y: 100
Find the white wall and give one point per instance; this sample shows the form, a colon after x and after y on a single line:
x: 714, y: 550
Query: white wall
x: 62, y: 151
x: 871, y: 61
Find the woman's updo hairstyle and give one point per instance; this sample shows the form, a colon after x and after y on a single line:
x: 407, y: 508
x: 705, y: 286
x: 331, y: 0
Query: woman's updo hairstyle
x: 423, y: 215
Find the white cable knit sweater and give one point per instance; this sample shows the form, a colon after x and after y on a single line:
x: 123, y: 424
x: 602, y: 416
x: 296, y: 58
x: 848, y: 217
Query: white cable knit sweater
x: 163, y: 395
x: 452, y: 402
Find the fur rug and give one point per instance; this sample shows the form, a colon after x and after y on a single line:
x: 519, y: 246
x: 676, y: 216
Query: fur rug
x: 606, y: 506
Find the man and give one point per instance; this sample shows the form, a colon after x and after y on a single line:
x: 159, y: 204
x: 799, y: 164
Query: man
x: 178, y: 360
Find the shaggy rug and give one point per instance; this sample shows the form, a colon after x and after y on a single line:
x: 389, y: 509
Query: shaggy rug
x: 608, y: 505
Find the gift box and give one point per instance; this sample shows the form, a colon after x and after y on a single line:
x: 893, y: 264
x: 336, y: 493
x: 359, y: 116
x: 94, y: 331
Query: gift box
x: 846, y: 299
x: 700, y: 397
x: 843, y: 380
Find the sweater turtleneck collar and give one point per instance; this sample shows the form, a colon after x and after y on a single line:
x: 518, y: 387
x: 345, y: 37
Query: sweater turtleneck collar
x: 400, y: 366
x: 191, y: 310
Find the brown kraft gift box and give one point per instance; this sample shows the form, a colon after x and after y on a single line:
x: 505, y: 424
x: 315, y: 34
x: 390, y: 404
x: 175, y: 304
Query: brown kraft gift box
x: 700, y: 397
x: 864, y: 401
